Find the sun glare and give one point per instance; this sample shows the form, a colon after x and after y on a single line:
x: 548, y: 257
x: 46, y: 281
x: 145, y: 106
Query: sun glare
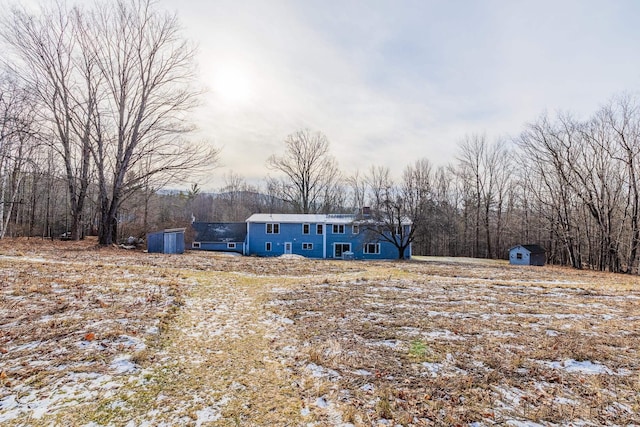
x: 233, y: 85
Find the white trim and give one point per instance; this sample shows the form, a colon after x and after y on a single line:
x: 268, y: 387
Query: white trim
x: 231, y: 245
x: 274, y: 226
x: 195, y: 245
x: 376, y: 249
x: 324, y: 240
x: 307, y: 246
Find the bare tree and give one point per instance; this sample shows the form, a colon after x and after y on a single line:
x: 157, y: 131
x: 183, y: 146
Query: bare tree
x: 399, y: 212
x: 45, y: 45
x: 147, y: 70
x: 311, y: 173
x: 18, y: 142
x: 117, y: 83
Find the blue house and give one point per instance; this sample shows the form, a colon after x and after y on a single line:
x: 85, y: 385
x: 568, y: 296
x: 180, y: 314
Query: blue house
x: 318, y: 236
x: 220, y: 236
x: 527, y: 255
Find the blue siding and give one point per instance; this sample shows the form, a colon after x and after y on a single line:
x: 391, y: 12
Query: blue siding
x: 293, y: 233
x: 220, y: 247
x: 155, y: 242
x: 521, y: 255
x: 288, y: 232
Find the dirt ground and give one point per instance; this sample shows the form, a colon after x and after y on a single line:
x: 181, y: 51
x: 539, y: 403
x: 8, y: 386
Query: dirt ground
x: 94, y: 336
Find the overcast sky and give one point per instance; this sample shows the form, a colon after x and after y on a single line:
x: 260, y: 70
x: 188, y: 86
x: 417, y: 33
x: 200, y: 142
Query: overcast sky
x: 392, y: 81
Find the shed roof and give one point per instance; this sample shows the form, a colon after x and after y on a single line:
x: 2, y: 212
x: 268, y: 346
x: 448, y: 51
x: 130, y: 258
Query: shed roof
x: 220, y: 231
x: 534, y: 249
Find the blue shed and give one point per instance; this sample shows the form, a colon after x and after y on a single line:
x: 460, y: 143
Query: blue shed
x: 220, y: 236
x: 170, y: 241
x: 527, y: 255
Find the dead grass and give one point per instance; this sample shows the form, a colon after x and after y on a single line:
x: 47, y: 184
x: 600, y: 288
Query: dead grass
x: 106, y: 336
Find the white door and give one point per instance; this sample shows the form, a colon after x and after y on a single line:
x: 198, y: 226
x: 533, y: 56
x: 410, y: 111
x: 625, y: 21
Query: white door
x: 287, y: 247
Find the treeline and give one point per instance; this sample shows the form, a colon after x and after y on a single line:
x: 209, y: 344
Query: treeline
x: 94, y: 107
x: 94, y: 102
x: 569, y: 185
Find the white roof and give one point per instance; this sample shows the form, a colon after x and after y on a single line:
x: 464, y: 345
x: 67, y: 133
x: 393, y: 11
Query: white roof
x: 302, y: 218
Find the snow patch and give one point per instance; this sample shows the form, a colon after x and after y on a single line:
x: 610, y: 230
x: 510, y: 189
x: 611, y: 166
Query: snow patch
x: 583, y: 367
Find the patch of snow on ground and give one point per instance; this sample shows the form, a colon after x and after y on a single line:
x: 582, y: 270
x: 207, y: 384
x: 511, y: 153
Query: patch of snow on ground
x: 123, y: 364
x: 443, y: 334
x: 320, y: 371
x: 393, y: 344
x: 210, y: 414
x: 367, y: 387
x: 583, y: 367
x: 433, y: 368
x: 518, y: 423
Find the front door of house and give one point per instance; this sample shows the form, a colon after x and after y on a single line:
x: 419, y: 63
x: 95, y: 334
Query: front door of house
x: 287, y: 247
x: 340, y: 248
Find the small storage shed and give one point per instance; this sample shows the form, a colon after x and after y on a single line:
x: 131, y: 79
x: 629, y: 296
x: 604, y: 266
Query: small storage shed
x: 527, y: 255
x: 169, y: 241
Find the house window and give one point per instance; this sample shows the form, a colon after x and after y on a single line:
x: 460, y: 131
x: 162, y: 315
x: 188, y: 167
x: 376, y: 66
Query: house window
x: 305, y: 228
x: 273, y: 228
x: 231, y: 245
x: 267, y: 246
x: 319, y: 229
x: 372, y: 248
x: 519, y: 255
x: 195, y: 245
x: 338, y: 228
x: 355, y: 229
x: 307, y: 246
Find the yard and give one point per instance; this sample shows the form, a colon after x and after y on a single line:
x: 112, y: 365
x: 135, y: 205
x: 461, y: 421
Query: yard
x: 102, y: 336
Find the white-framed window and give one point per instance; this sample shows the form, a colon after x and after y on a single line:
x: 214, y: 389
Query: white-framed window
x: 319, y: 229
x: 306, y: 228
x: 355, y: 229
x: 231, y: 245
x: 519, y: 255
x: 267, y: 246
x: 273, y: 228
x: 307, y: 246
x: 338, y: 228
x: 372, y: 248
x: 195, y: 245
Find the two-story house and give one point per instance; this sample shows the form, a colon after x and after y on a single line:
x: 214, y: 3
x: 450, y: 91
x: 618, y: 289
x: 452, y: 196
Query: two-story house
x: 318, y: 236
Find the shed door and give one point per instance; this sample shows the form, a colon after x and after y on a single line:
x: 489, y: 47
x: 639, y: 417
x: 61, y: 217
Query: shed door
x: 170, y: 243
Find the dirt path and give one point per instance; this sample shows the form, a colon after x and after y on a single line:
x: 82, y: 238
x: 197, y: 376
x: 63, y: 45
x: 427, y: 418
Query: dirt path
x: 216, y: 367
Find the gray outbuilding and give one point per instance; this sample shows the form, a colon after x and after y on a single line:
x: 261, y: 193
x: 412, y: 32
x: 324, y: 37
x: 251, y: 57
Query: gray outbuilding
x: 527, y: 255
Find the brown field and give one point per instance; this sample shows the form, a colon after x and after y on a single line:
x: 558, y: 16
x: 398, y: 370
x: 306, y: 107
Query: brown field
x: 106, y: 337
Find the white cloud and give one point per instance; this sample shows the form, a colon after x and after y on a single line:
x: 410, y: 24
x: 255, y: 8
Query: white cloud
x: 392, y: 81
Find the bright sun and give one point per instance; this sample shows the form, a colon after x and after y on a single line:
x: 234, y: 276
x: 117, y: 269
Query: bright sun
x: 233, y: 85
